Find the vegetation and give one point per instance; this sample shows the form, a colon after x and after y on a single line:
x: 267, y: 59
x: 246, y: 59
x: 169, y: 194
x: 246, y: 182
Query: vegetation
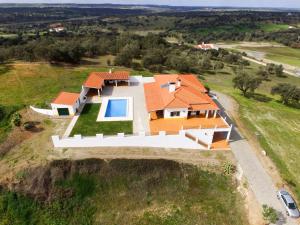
x: 284, y: 55
x: 269, y: 214
x: 273, y: 124
x: 290, y: 94
x: 16, y: 119
x: 6, y: 113
x: 87, y: 124
x: 131, y: 192
x: 245, y: 83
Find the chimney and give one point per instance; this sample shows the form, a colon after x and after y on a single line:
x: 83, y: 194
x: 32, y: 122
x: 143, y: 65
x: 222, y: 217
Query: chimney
x: 172, y: 87
x: 178, y: 82
x: 110, y: 70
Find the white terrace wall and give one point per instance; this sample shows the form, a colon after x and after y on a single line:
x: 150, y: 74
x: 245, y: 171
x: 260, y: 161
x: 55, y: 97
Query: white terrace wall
x: 157, y: 141
x: 48, y: 112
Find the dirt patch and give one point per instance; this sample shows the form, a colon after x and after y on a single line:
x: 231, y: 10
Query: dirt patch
x: 20, y: 134
x: 28, y: 148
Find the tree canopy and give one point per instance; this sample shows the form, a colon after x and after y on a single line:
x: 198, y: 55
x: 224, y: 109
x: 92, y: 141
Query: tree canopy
x: 289, y: 93
x: 246, y: 83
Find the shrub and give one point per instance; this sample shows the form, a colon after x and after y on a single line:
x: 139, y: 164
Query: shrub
x: 269, y: 214
x: 16, y: 119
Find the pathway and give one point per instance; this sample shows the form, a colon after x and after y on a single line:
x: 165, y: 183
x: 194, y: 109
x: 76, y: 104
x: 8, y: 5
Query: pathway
x: 258, y: 179
x: 73, y: 122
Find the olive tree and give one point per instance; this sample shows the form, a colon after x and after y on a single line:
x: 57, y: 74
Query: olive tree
x: 246, y: 83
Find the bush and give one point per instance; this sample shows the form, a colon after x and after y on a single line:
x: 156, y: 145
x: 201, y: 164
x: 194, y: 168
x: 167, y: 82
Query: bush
x: 269, y: 214
x: 16, y: 119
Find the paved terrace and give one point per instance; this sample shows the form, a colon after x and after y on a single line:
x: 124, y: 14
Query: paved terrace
x: 173, y: 125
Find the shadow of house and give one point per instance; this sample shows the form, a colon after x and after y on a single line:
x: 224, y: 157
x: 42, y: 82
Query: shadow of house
x: 235, y: 136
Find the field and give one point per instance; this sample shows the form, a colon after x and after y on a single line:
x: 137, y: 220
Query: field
x: 244, y: 28
x: 23, y: 84
x: 275, y: 125
x: 272, y: 27
x: 284, y: 55
x: 137, y: 192
x: 86, y: 125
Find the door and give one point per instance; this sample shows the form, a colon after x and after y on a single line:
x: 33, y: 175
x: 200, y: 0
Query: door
x: 63, y: 111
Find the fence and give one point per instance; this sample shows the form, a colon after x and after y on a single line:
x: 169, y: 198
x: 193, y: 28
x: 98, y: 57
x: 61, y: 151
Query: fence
x: 162, y: 140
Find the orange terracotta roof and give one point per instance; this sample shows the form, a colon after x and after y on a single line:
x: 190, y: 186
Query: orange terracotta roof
x: 94, y: 81
x: 190, y: 94
x: 117, y: 75
x: 153, y: 98
x: 66, y: 98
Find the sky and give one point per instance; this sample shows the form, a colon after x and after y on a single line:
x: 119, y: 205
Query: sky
x: 234, y: 3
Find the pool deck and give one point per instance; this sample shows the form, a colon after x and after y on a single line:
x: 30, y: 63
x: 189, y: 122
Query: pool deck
x: 136, y: 91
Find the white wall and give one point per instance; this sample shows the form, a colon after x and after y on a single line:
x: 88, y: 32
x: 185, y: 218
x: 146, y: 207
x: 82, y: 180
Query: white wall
x: 83, y: 93
x: 157, y: 141
x: 183, y: 113
x: 48, y: 112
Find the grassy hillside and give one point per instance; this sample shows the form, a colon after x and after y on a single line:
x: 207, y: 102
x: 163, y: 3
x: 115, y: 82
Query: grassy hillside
x: 129, y: 192
x: 285, y: 55
x: 276, y: 126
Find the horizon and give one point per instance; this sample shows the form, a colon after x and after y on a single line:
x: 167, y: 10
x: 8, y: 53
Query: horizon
x: 292, y: 4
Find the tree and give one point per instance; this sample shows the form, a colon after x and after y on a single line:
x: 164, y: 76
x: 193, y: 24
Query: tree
x: 270, y: 68
x: 153, y: 57
x: 263, y: 74
x: 289, y: 93
x: 279, y: 70
x: 246, y: 83
x: 124, y: 58
x: 206, y: 63
x: 218, y: 65
x: 108, y: 62
x: 269, y: 214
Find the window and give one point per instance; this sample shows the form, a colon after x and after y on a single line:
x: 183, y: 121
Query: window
x: 175, y: 113
x: 283, y: 198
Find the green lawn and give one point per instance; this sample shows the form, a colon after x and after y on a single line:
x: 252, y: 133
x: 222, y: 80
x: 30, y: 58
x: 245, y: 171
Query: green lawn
x: 271, y: 27
x: 285, y: 55
x: 277, y: 126
x: 131, y: 192
x: 86, y: 125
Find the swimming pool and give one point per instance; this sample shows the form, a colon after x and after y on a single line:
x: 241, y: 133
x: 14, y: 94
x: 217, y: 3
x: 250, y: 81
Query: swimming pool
x: 116, y: 108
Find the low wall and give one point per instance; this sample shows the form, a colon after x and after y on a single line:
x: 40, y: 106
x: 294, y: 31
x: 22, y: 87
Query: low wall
x: 141, y: 140
x: 48, y: 112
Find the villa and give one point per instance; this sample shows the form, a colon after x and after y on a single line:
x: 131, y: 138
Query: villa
x: 180, y: 102
x: 206, y: 47
x: 167, y: 110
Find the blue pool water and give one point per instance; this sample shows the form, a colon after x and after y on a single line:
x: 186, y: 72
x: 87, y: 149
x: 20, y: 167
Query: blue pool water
x: 116, y: 108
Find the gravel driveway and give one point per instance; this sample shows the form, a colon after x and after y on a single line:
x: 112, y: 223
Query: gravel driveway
x: 259, y: 181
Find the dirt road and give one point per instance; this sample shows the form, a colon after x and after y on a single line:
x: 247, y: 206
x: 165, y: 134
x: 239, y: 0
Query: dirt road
x: 259, y: 57
x: 259, y: 180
